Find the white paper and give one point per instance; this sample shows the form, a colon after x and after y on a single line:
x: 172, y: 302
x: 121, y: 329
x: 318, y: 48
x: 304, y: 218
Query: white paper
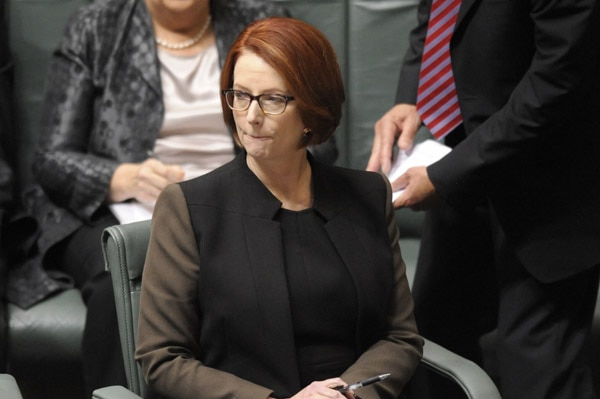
x: 422, y: 154
x: 129, y: 212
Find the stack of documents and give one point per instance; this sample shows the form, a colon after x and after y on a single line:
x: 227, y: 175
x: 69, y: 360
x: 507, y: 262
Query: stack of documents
x: 422, y: 154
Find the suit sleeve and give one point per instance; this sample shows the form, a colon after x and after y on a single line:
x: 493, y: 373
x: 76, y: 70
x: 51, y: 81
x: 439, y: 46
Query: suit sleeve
x: 545, y: 104
x: 167, y: 346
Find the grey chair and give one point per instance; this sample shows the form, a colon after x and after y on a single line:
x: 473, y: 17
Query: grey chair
x: 42, y: 343
x: 125, y: 253
x: 9, y: 388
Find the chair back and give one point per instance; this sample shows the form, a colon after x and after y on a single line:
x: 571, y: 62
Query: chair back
x: 9, y: 388
x: 124, y: 248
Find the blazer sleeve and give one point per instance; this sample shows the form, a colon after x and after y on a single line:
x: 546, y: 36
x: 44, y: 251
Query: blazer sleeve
x: 167, y: 347
x: 70, y: 174
x: 399, y: 350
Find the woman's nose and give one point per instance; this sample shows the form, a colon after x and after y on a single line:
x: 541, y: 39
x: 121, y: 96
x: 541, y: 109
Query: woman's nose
x: 254, y: 112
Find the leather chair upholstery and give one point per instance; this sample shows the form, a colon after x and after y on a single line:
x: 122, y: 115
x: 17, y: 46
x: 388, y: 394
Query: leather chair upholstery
x: 44, y: 346
x: 124, y: 248
x: 9, y: 388
x: 43, y: 342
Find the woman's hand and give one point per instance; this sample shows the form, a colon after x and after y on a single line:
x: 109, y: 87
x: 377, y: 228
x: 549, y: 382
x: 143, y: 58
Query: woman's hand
x: 324, y: 389
x: 142, y: 181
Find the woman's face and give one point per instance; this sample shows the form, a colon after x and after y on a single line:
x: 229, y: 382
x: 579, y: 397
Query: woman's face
x: 272, y: 137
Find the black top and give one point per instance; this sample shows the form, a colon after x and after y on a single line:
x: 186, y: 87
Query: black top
x: 324, y: 326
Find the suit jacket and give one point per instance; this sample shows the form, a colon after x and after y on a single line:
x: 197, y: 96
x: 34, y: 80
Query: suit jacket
x: 225, y: 305
x: 528, y: 82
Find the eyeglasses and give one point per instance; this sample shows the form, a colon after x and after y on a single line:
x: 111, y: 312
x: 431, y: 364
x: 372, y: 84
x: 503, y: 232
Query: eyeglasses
x: 270, y: 104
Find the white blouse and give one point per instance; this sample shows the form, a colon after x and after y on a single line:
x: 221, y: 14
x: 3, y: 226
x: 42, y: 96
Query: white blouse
x: 193, y: 134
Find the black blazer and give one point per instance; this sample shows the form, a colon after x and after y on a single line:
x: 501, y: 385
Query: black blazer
x: 216, y: 239
x: 528, y: 81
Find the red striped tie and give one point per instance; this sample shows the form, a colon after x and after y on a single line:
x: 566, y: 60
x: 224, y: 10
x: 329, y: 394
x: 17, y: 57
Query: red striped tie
x: 437, y: 103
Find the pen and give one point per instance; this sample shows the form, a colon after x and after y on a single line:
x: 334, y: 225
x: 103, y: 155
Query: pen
x: 363, y: 383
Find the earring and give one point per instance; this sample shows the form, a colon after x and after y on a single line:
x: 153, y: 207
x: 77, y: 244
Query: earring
x: 307, y: 132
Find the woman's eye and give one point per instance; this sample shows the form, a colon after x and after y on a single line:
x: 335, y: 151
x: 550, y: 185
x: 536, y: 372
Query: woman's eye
x: 274, y: 99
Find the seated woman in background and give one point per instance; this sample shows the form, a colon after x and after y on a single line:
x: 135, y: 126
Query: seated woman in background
x: 132, y: 104
x: 277, y: 275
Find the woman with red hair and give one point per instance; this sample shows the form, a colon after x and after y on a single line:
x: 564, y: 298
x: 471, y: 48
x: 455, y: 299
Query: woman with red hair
x: 276, y: 275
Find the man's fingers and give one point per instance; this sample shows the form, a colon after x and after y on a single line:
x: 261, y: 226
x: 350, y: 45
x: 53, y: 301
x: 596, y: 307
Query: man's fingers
x: 409, y: 132
x: 387, y: 149
x: 374, y: 164
x: 400, y: 183
x: 386, y: 131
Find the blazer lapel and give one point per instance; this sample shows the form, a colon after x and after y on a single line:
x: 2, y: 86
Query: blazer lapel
x: 465, y: 6
x: 265, y: 253
x: 331, y: 200
x: 356, y: 246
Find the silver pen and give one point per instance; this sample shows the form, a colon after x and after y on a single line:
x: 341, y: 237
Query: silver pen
x: 363, y: 383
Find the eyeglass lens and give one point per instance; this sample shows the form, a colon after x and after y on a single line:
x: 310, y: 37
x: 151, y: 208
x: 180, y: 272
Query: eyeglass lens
x: 269, y: 103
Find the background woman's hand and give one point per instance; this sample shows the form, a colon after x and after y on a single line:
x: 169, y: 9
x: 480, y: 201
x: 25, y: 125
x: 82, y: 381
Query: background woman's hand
x: 142, y: 181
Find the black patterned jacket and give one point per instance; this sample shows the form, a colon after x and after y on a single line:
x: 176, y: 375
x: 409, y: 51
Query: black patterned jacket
x: 103, y: 106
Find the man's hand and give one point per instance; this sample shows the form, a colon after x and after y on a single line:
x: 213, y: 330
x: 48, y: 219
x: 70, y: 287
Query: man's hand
x: 399, y: 123
x: 419, y: 193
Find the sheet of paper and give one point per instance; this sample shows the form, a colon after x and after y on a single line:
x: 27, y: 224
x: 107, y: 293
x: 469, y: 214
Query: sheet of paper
x: 422, y: 154
x: 128, y: 212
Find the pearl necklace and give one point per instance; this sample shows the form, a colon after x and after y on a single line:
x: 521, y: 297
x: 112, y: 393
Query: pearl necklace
x: 187, y: 43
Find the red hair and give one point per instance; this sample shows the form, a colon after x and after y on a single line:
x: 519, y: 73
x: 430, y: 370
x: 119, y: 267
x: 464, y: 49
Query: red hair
x: 306, y: 61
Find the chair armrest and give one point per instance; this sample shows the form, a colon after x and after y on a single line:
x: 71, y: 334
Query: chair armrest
x: 9, y: 388
x: 468, y: 375
x: 114, y: 392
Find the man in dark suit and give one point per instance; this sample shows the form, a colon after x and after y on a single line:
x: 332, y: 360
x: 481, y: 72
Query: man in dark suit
x: 519, y: 191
